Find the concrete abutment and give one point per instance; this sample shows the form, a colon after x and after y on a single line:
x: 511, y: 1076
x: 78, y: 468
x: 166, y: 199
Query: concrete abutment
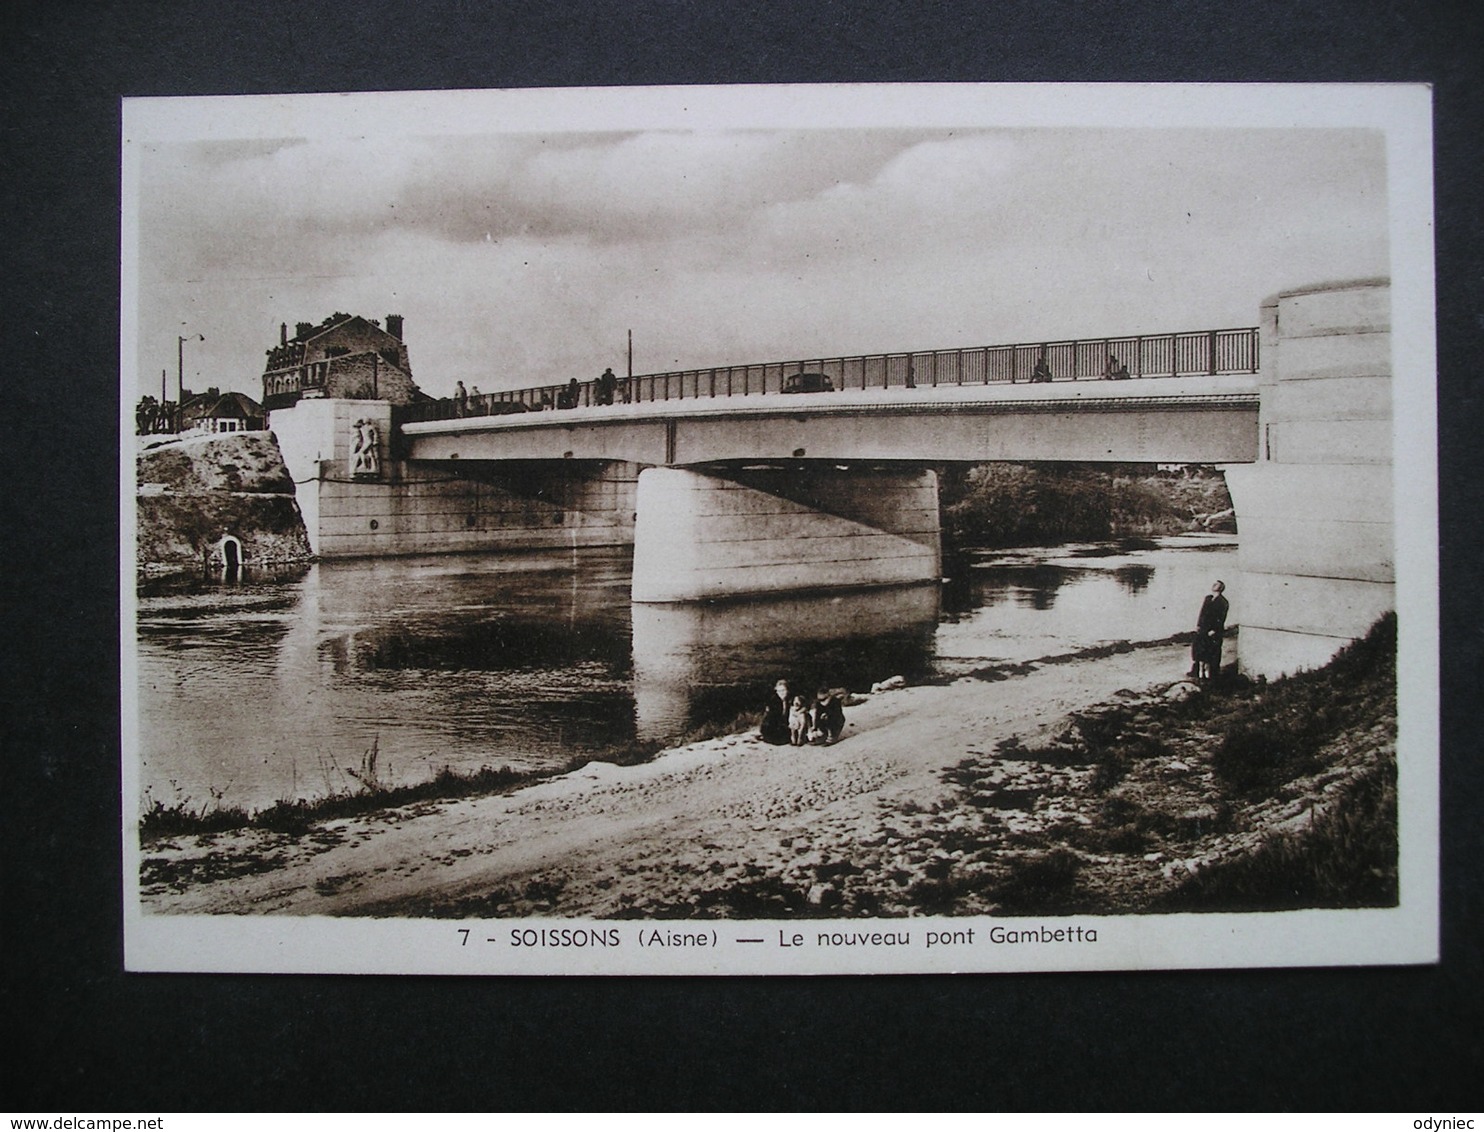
x: 1316, y: 554
x: 356, y: 507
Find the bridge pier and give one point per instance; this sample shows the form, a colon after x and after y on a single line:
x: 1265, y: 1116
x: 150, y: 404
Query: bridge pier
x: 701, y: 535
x: 1316, y: 554
x: 354, y: 508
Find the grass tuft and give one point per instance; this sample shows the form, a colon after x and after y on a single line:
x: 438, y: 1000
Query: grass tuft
x: 1040, y: 884
x: 1345, y: 859
x: 372, y: 794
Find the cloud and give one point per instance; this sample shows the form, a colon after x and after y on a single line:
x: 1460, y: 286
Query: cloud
x: 520, y: 259
x: 610, y: 188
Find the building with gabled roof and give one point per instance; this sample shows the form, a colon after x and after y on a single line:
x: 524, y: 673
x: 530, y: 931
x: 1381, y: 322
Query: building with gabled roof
x: 217, y: 412
x: 345, y: 356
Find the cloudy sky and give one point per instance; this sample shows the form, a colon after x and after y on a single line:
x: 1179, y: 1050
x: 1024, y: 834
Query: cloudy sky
x: 524, y: 258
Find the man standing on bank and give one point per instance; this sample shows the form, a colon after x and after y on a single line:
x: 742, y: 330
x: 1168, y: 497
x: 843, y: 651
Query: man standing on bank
x: 1210, y: 626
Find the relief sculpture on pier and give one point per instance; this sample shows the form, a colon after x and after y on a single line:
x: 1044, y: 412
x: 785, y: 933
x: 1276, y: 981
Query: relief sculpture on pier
x: 365, y: 460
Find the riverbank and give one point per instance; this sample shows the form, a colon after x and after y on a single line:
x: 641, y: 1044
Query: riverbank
x: 1014, y: 505
x: 1090, y: 783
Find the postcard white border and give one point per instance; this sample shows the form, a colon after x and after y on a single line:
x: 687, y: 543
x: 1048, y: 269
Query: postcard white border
x: 1407, y: 934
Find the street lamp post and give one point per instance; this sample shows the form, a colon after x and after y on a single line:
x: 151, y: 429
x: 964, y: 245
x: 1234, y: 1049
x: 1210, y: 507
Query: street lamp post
x: 180, y: 341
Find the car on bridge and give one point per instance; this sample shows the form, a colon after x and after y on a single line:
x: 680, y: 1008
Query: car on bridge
x: 808, y: 383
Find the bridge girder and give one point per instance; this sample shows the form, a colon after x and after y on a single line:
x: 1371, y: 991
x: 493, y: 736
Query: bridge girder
x: 1217, y: 427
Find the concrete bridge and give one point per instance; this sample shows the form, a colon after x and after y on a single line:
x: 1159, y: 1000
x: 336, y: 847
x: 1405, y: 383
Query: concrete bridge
x: 1197, y: 420
x: 725, y: 496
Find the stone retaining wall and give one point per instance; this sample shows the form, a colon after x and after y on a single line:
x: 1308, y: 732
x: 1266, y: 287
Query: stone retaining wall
x: 197, y: 496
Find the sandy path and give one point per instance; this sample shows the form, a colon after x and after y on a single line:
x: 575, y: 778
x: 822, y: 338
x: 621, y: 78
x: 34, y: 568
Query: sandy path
x: 607, y: 841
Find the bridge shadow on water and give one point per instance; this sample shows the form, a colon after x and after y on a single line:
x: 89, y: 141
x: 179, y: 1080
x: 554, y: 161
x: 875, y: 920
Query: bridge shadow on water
x: 262, y: 688
x: 703, y: 661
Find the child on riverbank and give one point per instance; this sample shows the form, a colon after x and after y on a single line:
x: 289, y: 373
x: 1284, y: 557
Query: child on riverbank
x: 798, y: 722
x: 826, y: 717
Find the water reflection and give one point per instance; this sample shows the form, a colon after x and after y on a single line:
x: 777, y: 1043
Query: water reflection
x: 270, y: 687
x: 707, y: 661
x: 1045, y: 601
x: 258, y: 693
x: 1111, y: 549
x: 1031, y: 585
x: 1134, y: 578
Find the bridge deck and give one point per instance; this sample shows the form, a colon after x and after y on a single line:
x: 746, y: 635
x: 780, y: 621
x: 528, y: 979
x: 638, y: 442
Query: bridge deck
x: 1179, y: 355
x: 1235, y: 391
x: 1198, y: 420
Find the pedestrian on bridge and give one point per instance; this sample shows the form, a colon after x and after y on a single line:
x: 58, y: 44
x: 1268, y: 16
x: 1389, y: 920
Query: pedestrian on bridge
x: 1115, y: 370
x: 607, y: 386
x: 460, y: 400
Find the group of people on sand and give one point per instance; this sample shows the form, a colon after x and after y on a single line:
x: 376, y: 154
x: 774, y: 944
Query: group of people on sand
x: 798, y: 719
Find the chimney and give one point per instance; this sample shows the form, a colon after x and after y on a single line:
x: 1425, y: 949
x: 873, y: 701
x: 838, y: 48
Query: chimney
x: 394, y: 326
x: 283, y: 334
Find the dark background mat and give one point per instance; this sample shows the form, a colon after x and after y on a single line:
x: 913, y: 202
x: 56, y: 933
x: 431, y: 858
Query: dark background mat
x: 86, y: 1036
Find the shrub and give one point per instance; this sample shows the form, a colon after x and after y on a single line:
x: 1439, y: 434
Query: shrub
x: 1040, y: 884
x: 160, y: 820
x: 1346, y: 859
x: 1001, y: 504
x: 1256, y: 758
x: 1108, y: 773
x: 1278, y: 733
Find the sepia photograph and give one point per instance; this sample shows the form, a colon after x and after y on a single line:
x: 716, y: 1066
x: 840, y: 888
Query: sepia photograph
x: 794, y: 530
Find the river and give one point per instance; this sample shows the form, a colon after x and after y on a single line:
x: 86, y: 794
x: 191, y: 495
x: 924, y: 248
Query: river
x: 261, y: 689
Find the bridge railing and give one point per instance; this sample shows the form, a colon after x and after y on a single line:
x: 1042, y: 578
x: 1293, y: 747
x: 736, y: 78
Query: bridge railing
x: 1183, y: 354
